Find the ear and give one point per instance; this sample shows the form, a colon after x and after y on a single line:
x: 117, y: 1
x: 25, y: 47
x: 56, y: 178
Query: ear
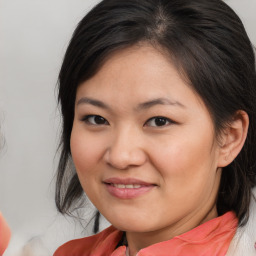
x: 233, y: 138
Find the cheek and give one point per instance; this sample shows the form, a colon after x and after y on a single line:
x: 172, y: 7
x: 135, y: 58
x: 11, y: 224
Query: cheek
x: 188, y: 174
x: 182, y: 160
x: 174, y: 157
x: 85, y: 151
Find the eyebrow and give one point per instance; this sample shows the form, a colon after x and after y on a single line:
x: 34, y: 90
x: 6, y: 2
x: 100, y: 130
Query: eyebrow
x: 141, y: 106
x: 93, y: 102
x: 159, y: 101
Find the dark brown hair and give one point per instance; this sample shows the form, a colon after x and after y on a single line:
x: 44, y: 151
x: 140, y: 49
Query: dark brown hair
x: 206, y: 41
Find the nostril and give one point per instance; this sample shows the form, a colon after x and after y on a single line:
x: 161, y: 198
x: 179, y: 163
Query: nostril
x: 123, y: 158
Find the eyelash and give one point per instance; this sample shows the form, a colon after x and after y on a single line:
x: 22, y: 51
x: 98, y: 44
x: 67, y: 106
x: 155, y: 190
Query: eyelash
x: 86, y: 119
x: 103, y: 121
x: 160, y: 118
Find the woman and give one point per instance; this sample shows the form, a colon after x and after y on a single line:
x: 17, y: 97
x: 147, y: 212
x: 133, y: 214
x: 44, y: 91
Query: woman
x: 158, y: 104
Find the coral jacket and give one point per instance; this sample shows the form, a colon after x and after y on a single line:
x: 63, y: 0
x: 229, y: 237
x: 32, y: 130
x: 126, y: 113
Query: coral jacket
x: 5, y: 234
x: 211, y: 238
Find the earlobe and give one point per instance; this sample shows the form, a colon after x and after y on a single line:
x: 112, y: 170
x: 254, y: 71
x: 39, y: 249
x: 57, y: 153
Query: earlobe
x: 233, y: 138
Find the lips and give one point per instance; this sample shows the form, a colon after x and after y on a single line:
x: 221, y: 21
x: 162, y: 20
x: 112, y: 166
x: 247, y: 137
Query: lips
x: 127, y: 181
x: 127, y: 188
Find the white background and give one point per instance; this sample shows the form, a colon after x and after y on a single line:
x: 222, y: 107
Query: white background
x: 33, y: 37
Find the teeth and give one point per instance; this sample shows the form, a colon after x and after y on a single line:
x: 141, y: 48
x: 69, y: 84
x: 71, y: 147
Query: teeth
x: 119, y: 185
x: 126, y: 186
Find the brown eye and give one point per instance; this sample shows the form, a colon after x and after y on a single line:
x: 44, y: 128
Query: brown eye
x: 95, y: 120
x: 158, y: 121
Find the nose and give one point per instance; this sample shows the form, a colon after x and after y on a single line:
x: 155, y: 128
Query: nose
x: 125, y: 150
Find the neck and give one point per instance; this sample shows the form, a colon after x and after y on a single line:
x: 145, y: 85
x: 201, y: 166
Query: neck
x: 139, y: 240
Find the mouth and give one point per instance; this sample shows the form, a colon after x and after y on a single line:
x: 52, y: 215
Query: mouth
x: 127, y: 188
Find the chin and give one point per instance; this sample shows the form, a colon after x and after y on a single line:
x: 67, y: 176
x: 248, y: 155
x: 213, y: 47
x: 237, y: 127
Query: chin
x: 131, y: 225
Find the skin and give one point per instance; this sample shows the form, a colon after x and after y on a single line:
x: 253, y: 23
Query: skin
x: 181, y: 158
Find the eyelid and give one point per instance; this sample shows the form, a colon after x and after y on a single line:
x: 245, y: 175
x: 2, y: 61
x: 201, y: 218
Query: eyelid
x: 160, y: 117
x: 86, y: 120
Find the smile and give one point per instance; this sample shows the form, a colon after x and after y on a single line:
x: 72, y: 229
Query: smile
x: 127, y: 188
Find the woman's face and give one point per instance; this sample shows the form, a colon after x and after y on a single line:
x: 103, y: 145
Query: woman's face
x: 144, y: 145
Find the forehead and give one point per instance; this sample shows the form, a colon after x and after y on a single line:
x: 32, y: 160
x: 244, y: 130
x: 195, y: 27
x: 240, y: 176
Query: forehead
x: 138, y: 74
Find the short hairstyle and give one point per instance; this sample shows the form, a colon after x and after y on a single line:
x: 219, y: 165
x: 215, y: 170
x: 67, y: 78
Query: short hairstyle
x: 208, y: 44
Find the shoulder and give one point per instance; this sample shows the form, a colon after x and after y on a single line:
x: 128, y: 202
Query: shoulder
x: 92, y: 245
x: 244, y: 240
